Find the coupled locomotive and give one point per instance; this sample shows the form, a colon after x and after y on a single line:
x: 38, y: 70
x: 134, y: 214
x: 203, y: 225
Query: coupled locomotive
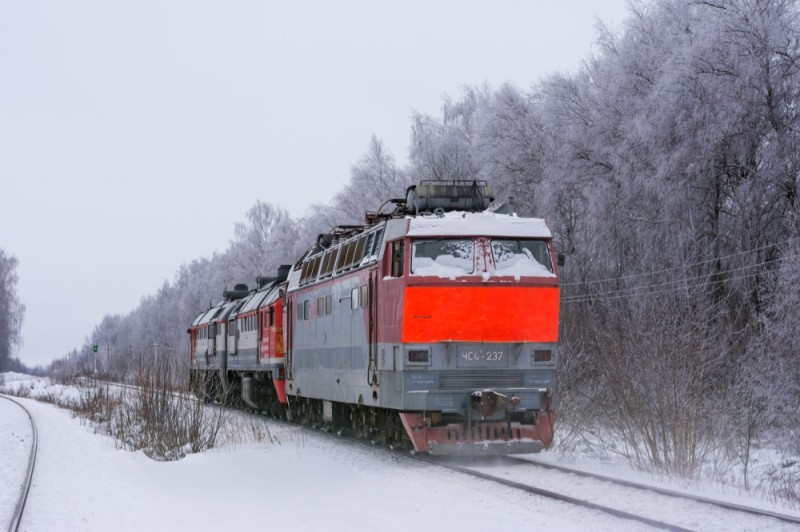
x: 433, y: 326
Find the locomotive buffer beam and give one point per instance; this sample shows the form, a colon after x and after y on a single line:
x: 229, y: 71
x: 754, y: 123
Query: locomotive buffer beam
x: 487, y: 429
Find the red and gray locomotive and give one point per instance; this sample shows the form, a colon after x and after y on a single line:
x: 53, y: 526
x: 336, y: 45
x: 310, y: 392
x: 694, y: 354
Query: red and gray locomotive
x: 433, y: 326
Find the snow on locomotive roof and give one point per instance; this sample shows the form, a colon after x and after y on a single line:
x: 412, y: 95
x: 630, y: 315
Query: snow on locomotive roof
x: 458, y: 223
x: 206, y: 316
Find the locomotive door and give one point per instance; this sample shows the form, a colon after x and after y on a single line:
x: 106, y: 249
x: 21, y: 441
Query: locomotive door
x: 212, y: 341
x: 288, y: 343
x: 372, y: 325
x: 261, y: 323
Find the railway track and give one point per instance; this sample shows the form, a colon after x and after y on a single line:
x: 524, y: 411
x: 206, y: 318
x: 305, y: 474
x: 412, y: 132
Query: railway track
x: 559, y: 496
x: 615, y: 496
x: 665, y: 491
x: 26, y: 484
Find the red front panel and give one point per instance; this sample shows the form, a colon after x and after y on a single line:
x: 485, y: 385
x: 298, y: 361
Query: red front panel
x: 480, y: 314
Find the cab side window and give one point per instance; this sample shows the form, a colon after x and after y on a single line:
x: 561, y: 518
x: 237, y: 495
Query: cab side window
x: 398, y: 249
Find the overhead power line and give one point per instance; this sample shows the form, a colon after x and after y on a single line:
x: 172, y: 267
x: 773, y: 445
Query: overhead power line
x: 681, y: 267
x: 684, y: 283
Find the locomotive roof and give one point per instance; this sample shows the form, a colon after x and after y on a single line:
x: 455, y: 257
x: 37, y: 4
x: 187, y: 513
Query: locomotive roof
x: 206, y: 316
x: 457, y: 223
x: 256, y: 300
x: 228, y: 308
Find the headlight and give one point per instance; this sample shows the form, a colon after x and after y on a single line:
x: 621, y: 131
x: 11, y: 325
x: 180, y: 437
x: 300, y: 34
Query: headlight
x: 542, y: 355
x: 418, y: 356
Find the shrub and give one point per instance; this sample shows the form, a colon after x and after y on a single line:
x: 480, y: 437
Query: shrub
x: 163, y: 420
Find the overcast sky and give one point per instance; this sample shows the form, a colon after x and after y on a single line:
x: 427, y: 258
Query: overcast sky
x: 135, y: 134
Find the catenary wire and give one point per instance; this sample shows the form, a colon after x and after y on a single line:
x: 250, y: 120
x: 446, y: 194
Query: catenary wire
x: 681, y: 281
x: 683, y: 266
x: 592, y: 297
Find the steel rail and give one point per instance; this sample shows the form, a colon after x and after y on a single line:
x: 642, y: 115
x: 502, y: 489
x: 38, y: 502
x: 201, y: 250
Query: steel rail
x: 554, y: 495
x: 26, y: 486
x: 663, y: 491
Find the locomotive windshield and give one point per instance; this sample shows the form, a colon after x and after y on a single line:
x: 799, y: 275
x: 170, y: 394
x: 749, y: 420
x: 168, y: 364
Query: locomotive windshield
x: 521, y: 257
x: 444, y: 257
x: 455, y: 257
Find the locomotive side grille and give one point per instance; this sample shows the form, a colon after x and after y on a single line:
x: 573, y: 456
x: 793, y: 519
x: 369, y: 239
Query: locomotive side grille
x: 457, y: 380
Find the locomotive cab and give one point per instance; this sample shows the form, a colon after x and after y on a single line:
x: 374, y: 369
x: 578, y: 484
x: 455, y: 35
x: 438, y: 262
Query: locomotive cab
x: 477, y: 333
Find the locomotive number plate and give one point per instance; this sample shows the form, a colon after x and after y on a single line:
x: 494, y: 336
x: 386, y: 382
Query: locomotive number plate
x: 477, y: 356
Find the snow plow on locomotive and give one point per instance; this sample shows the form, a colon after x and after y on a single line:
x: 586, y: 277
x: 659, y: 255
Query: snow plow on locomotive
x: 435, y: 326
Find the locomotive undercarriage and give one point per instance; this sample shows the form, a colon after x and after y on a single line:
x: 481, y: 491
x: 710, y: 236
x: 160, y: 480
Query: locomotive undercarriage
x: 253, y: 391
x: 206, y: 386
x: 378, y: 425
x: 486, y: 426
x: 432, y: 432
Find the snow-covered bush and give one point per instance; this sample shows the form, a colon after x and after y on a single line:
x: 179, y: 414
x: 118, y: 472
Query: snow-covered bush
x: 163, y: 420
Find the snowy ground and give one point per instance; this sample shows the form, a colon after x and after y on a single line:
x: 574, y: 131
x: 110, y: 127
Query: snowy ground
x: 275, y: 476
x: 15, y: 441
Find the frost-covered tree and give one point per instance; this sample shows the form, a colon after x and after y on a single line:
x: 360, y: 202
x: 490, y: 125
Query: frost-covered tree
x: 374, y: 179
x: 442, y: 149
x: 773, y: 369
x: 670, y: 175
x: 12, y: 310
x: 266, y: 240
x: 510, y: 148
x: 493, y: 136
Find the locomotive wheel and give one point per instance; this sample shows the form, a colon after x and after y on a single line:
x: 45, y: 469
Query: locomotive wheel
x: 234, y: 396
x: 205, y: 386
